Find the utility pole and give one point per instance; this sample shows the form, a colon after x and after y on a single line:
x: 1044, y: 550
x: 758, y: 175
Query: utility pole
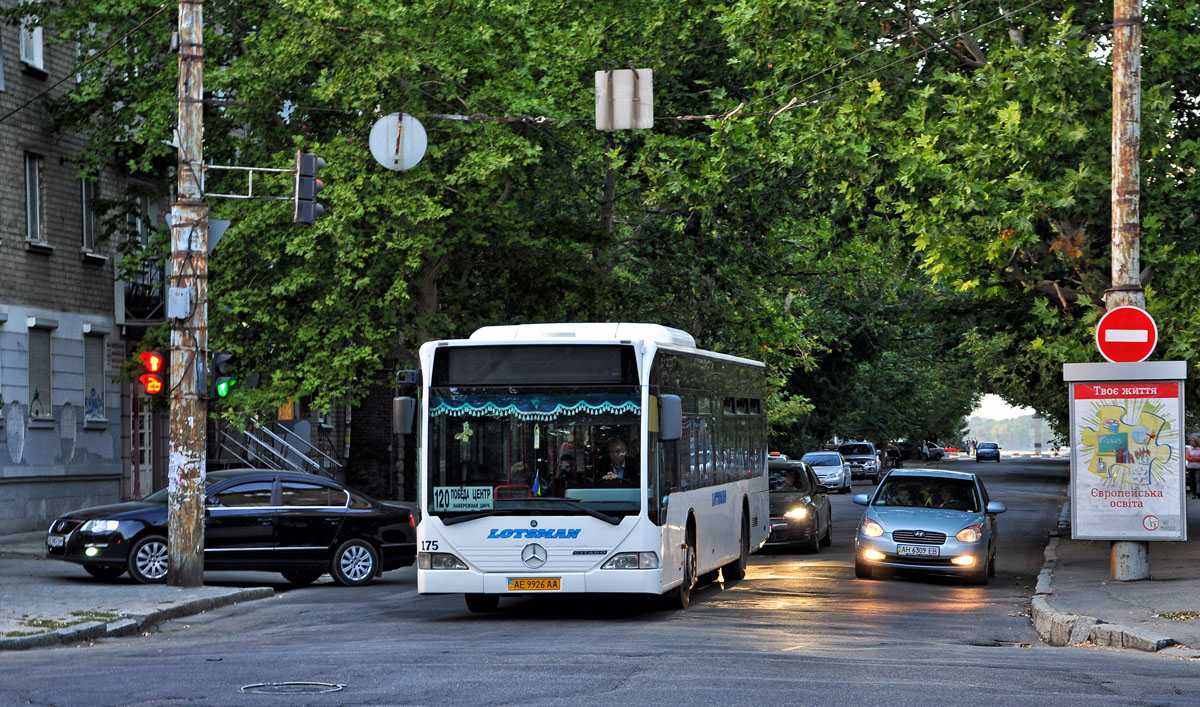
x: 189, y: 331
x: 1129, y: 560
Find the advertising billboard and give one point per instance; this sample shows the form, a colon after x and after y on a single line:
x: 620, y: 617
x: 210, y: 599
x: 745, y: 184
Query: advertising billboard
x: 1127, y: 479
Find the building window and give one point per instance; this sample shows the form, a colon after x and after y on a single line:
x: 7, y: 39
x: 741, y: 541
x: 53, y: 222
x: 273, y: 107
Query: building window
x: 33, y: 198
x: 40, y: 403
x: 93, y: 378
x: 87, y: 197
x: 31, y: 45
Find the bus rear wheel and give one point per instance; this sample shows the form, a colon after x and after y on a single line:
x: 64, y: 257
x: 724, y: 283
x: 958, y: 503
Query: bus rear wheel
x: 736, y: 571
x: 483, y: 603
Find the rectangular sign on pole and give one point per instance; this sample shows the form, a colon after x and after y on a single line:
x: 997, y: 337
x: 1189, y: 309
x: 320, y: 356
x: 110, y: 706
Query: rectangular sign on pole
x: 1127, y: 476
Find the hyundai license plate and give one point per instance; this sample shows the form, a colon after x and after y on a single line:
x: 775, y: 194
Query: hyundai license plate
x: 54, y: 540
x: 917, y: 551
x: 533, y: 584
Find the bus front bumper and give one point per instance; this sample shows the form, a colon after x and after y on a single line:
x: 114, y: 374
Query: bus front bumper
x: 598, y: 581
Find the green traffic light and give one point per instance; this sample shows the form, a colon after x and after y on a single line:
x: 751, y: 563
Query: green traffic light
x: 223, y: 386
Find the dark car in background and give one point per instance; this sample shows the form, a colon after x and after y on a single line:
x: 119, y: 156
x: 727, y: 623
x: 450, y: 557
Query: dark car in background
x: 297, y: 524
x: 801, y: 515
x: 864, y: 460
x: 987, y: 450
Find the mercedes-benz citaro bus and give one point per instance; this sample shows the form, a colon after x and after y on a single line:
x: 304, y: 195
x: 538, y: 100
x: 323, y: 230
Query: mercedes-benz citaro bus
x: 587, y: 458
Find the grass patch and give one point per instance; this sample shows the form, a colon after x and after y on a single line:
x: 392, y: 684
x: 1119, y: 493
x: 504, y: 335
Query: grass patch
x: 45, y: 625
x: 1178, y: 615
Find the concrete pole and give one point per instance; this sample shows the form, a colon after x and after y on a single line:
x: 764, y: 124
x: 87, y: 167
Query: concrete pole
x: 189, y: 334
x: 1129, y: 560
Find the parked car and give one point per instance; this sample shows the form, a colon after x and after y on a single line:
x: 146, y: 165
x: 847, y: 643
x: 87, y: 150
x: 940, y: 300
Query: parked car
x: 801, y: 514
x: 297, y: 524
x: 987, y: 450
x: 864, y: 460
x: 939, y: 522
x: 831, y: 468
x: 930, y: 451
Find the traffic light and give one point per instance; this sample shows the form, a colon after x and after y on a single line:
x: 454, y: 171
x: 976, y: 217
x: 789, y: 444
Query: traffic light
x: 152, y: 379
x: 222, y: 368
x: 305, y: 208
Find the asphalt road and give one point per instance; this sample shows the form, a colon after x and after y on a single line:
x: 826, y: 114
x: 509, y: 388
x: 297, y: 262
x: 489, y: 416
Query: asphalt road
x: 799, y: 630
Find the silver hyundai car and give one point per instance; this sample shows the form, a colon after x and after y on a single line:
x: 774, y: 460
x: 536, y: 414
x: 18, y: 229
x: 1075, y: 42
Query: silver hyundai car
x: 940, y: 522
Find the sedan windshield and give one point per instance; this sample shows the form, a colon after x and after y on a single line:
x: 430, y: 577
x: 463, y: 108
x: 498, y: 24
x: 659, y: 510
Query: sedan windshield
x: 856, y: 449
x: 928, y: 492
x: 822, y: 459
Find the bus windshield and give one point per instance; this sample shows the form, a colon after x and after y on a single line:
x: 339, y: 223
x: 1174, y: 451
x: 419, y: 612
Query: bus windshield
x: 544, y: 451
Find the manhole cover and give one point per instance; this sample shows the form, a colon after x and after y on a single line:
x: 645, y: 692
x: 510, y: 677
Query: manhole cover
x: 292, y: 688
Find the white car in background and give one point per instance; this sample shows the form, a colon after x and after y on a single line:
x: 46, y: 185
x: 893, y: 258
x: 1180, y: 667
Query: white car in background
x: 832, y: 469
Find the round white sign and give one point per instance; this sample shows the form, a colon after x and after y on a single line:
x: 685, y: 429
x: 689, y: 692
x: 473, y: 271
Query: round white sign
x: 398, y: 141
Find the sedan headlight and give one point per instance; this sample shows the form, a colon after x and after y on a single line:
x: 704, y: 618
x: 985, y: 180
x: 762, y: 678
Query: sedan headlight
x: 797, y: 513
x: 632, y: 561
x: 100, y: 526
x: 970, y: 534
x: 871, y: 529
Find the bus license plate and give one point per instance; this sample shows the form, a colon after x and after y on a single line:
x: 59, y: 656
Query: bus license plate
x: 917, y: 551
x: 533, y: 584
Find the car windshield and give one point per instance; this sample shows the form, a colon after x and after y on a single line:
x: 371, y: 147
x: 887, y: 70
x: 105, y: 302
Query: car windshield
x: 856, y: 449
x: 987, y: 445
x: 928, y: 492
x: 789, y: 480
x: 822, y: 459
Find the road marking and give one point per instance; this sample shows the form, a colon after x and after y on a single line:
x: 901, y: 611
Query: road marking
x: 1127, y: 335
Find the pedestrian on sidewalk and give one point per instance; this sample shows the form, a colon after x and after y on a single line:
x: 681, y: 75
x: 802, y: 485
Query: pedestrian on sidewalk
x: 1191, y: 455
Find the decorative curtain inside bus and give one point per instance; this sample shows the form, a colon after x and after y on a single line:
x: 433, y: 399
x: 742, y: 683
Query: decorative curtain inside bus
x: 535, y: 406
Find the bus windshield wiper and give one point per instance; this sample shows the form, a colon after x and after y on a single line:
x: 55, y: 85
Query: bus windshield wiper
x: 517, y: 510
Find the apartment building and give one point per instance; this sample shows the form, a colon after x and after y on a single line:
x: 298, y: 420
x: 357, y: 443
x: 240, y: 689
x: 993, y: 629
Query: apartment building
x: 71, y: 432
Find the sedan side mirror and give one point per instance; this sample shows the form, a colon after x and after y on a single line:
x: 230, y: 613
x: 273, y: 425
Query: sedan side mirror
x: 862, y: 499
x: 996, y: 507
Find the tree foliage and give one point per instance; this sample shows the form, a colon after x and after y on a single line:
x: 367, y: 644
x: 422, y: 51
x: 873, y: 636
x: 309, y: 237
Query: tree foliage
x: 897, y: 206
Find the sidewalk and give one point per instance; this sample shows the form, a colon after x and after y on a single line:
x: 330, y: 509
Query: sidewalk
x: 47, y: 602
x: 1077, y: 602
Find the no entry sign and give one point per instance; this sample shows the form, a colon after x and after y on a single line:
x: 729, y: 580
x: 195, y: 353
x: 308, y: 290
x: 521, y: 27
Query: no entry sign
x: 1126, y: 335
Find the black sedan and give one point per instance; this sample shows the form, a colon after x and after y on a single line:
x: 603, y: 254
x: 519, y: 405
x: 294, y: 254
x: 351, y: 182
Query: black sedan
x: 254, y: 519
x: 800, y: 511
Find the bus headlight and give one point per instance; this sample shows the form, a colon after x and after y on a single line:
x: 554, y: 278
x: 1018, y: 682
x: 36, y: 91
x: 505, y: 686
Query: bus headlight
x: 632, y: 561
x: 439, y: 561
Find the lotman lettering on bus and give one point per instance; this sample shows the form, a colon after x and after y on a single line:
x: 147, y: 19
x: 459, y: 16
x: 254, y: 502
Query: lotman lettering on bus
x: 587, y: 458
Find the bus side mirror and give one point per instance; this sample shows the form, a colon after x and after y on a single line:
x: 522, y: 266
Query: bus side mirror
x: 670, y: 418
x: 404, y: 410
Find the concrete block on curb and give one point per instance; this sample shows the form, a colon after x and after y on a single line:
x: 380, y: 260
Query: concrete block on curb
x: 1043, y: 582
x: 124, y: 627
x: 1082, y: 631
x: 81, y: 632
x: 1119, y: 636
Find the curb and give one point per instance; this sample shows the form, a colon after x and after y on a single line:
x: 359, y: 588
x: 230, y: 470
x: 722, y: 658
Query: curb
x: 1062, y: 629
x: 130, y: 625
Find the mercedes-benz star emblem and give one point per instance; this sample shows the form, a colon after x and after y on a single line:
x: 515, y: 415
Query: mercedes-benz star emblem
x: 533, y: 555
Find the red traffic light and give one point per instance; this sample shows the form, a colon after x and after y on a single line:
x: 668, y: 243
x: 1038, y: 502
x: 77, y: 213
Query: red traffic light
x: 152, y: 360
x: 151, y: 383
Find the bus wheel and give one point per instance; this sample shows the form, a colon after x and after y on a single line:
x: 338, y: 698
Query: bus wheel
x: 483, y: 603
x: 736, y: 570
x: 681, y: 596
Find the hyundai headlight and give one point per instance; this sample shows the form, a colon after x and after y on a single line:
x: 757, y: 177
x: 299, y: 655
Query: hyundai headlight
x: 632, y: 561
x: 439, y: 561
x: 871, y: 529
x: 970, y: 534
x: 100, y: 526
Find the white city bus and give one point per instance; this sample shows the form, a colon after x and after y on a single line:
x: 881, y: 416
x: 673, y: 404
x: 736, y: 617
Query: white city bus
x: 522, y: 486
